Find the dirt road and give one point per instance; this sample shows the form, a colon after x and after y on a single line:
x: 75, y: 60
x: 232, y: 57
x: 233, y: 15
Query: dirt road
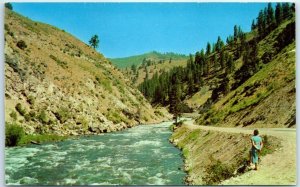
x: 278, y: 168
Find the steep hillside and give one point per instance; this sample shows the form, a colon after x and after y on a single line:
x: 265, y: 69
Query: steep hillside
x: 266, y: 99
x: 55, y: 83
x: 236, y: 84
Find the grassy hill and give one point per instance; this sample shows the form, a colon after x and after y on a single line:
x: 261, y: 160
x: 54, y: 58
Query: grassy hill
x: 138, y: 68
x: 152, y: 56
x: 56, y: 84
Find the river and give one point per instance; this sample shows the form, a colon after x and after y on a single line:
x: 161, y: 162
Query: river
x: 138, y: 156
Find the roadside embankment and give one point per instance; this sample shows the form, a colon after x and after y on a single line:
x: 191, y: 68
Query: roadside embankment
x: 212, y: 156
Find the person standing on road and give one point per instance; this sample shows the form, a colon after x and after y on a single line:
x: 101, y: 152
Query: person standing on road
x: 257, y: 145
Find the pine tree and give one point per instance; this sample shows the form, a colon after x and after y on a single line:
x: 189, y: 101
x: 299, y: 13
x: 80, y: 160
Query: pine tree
x: 261, y: 23
x: 286, y: 11
x: 278, y: 13
x: 229, y: 40
x: 203, y: 64
x: 94, y: 41
x: 235, y: 33
x: 270, y: 17
x: 208, y: 49
x: 215, y: 61
x: 253, y: 26
x: 197, y: 58
x: 240, y: 32
x: 175, y: 97
x: 213, y: 49
x: 222, y: 59
x: 219, y: 44
x: 229, y: 65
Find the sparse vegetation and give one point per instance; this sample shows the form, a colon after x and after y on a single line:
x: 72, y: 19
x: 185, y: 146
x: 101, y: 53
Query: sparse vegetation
x: 54, y: 85
x: 217, y: 172
x: 59, y: 62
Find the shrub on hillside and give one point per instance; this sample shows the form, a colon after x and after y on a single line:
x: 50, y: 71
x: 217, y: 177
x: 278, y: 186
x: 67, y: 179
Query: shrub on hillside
x: 20, y: 109
x: 8, y: 6
x: 31, y: 100
x: 61, y: 63
x: 42, y: 117
x: 267, y: 57
x: 13, y: 115
x: 13, y: 134
x: 62, y: 114
x: 7, y: 29
x: 21, y: 44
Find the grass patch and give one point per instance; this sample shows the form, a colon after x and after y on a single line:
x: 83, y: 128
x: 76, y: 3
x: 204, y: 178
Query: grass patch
x: 41, y: 138
x: 107, y: 85
x: 185, y: 152
x: 194, y: 135
x: 59, y: 62
x: 246, y: 102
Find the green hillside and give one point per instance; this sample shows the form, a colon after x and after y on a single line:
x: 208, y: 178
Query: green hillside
x: 236, y: 84
x: 153, y: 56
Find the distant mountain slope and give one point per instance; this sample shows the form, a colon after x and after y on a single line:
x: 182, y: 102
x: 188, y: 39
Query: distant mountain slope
x: 152, y: 56
x: 141, y: 67
x: 55, y: 83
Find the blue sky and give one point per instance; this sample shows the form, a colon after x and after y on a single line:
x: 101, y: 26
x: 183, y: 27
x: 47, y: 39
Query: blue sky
x: 127, y: 29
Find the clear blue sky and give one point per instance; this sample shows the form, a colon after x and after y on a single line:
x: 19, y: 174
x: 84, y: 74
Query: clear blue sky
x: 127, y: 29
